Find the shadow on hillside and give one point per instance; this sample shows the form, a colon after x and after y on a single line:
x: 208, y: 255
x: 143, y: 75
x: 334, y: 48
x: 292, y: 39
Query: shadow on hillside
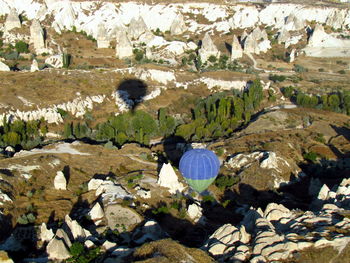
x: 132, y: 92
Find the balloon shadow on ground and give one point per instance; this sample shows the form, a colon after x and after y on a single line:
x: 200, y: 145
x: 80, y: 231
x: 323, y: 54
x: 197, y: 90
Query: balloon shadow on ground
x: 132, y: 92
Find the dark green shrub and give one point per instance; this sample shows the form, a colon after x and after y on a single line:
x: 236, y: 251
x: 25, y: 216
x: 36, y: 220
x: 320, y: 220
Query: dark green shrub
x: 225, y: 181
x: 22, y: 47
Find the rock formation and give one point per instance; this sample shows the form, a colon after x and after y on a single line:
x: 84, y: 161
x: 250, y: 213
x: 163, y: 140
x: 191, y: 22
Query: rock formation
x: 37, y: 37
x: 34, y: 67
x: 121, y: 218
x: 294, y: 23
x: 60, y: 181
x: 102, y: 37
x: 236, y: 51
x: 337, y: 18
x: 56, y: 249
x: 96, y: 213
x: 45, y: 234
x: 257, y: 42
x: 283, y: 36
x: 208, y: 48
x: 168, y: 178
x: 123, y: 48
x: 178, y: 26
x: 136, y: 28
x: 12, y: 20
x: 56, y: 61
x: 4, y: 67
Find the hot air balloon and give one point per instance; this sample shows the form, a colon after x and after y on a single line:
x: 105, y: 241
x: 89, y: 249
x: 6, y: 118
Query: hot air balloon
x: 200, y: 168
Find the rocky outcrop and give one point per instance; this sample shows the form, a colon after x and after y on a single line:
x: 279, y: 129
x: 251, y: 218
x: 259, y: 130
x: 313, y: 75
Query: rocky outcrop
x: 337, y: 18
x: 4, y: 258
x: 121, y: 218
x: 77, y: 231
x: 45, y: 234
x: 60, y: 182
x: 55, y: 61
x: 34, y: 67
x: 123, y: 48
x: 178, y: 25
x: 109, y: 192
x: 103, y: 40
x: 56, y: 249
x: 4, y: 67
x: 321, y: 44
x: 257, y: 42
x: 37, y: 37
x: 12, y: 20
x: 168, y: 178
x: 236, y: 51
x: 208, y: 48
x: 195, y: 212
x: 136, y: 28
x: 96, y: 213
x: 294, y: 23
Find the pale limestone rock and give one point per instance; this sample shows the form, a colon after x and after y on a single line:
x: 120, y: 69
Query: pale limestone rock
x: 121, y: 218
x: 178, y: 26
x: 37, y: 37
x: 60, y: 181
x: 61, y: 234
x: 236, y: 51
x: 45, y: 234
x: 294, y: 23
x: 324, y: 193
x: 292, y: 56
x: 224, y: 239
x: 242, y: 253
x: 257, y: 42
x: 320, y: 38
x: 102, y: 37
x: 12, y: 20
x: 208, y: 48
x: 110, y: 192
x: 283, y: 36
x: 277, y: 212
x: 4, y: 67
x: 56, y: 249
x: 337, y: 18
x: 55, y: 61
x: 89, y: 244
x: 96, y: 212
x: 168, y: 178
x: 151, y: 230
x: 143, y: 193
x: 194, y: 212
x: 108, y: 245
x: 34, y: 67
x: 77, y: 231
x: 345, y: 182
x: 4, y: 197
x: 4, y: 258
x: 241, y: 160
x: 123, y: 48
x: 137, y: 28
x: 93, y: 184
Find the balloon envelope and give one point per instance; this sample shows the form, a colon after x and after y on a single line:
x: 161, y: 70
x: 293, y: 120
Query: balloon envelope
x: 200, y: 168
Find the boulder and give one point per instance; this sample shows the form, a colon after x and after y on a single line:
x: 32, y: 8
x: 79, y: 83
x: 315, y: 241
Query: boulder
x: 121, y: 218
x: 178, y: 25
x: 37, y: 37
x: 236, y: 51
x: 136, y: 28
x: 34, y: 67
x: 62, y: 235
x: 4, y: 67
x: 324, y: 193
x: 76, y: 229
x: 123, y: 48
x: 94, y: 184
x: 168, y: 178
x: 55, y: 61
x: 102, y: 37
x: 60, y: 181
x: 276, y: 212
x: 45, y: 234
x: 208, y: 48
x: 56, y: 249
x: 96, y: 213
x: 12, y: 20
x: 194, y: 212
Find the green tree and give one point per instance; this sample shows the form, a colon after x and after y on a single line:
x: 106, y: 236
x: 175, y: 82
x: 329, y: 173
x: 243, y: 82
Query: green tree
x: 22, y: 47
x: 334, y: 102
x: 68, y: 130
x: 12, y: 138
